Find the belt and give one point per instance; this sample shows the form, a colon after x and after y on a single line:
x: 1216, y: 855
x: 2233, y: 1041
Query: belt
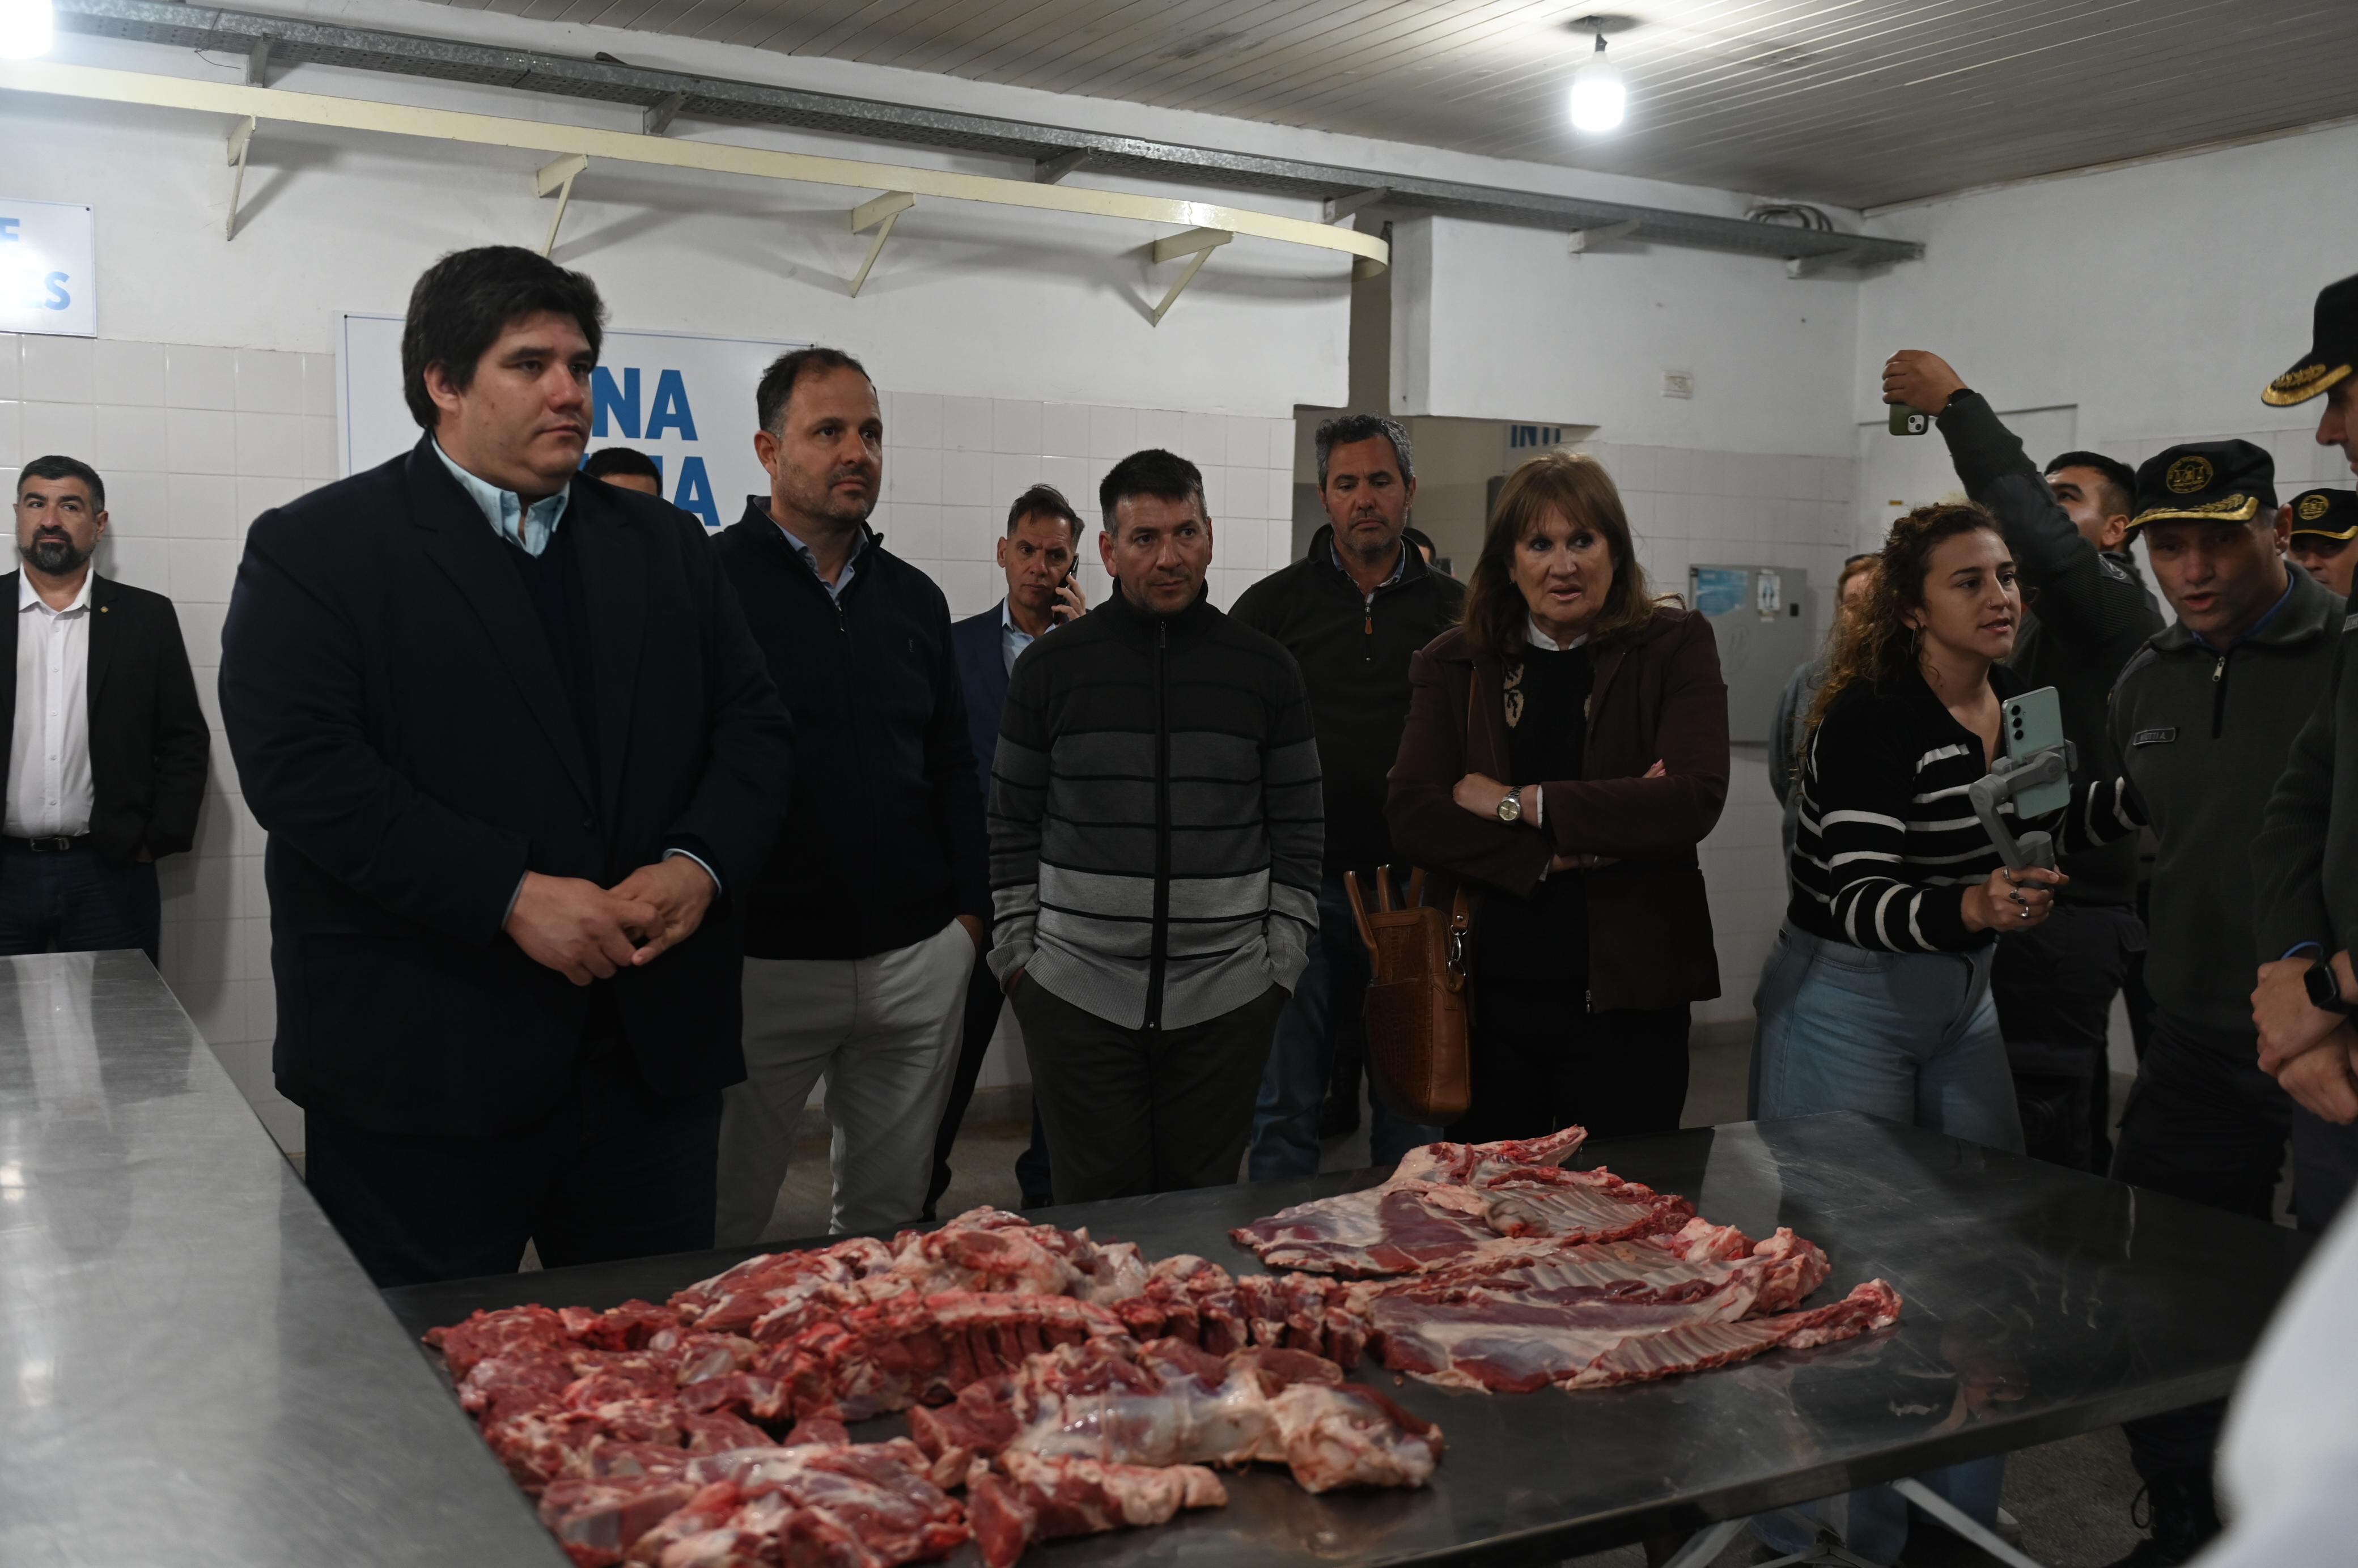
x: 15, y: 846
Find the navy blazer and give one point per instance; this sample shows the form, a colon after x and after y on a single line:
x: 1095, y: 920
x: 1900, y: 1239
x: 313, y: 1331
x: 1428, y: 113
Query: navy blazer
x: 982, y: 671
x: 403, y: 733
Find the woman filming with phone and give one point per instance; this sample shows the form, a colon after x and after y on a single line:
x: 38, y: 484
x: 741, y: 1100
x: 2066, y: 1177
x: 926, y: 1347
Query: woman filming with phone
x: 1876, y: 997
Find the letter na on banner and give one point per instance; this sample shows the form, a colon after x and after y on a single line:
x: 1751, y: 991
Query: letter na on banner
x: 687, y: 402
x: 48, y: 269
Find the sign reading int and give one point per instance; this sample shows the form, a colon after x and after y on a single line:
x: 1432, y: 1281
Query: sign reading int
x: 48, y: 268
x: 686, y: 402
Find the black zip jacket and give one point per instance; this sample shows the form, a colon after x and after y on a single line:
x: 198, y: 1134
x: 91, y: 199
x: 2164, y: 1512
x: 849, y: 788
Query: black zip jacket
x: 2204, y: 735
x: 2089, y: 614
x: 2306, y: 862
x: 882, y: 842
x: 1354, y: 655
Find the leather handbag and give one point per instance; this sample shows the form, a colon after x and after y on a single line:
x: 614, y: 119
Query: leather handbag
x: 1417, y: 1018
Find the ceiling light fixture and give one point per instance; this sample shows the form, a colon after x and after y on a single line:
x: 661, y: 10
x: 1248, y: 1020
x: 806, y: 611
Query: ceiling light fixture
x: 1599, y: 97
x: 27, y: 27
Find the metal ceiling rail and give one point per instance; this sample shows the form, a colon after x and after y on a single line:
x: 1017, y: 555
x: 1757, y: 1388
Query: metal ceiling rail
x: 578, y: 145
x: 1054, y: 151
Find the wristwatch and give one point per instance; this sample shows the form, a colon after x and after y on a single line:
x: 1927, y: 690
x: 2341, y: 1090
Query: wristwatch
x: 2324, y: 990
x: 1510, y: 809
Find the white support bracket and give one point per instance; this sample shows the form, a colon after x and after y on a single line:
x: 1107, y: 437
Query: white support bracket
x: 1806, y: 266
x: 1582, y: 239
x: 558, y: 179
x: 657, y: 116
x: 1197, y: 246
x: 241, y: 139
x: 1049, y: 170
x: 879, y: 215
x: 257, y: 64
x: 1337, y: 208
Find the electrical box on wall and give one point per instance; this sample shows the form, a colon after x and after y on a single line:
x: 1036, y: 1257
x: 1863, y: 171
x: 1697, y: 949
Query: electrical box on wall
x: 1759, y: 616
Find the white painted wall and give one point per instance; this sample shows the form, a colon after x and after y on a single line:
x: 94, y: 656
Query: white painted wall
x: 1505, y: 323
x: 2157, y: 298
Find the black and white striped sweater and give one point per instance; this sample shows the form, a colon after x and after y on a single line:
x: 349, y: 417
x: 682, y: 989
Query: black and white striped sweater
x: 1888, y: 842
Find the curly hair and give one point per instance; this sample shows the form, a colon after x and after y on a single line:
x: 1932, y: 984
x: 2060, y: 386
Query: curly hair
x: 1876, y: 642
x: 1576, y: 488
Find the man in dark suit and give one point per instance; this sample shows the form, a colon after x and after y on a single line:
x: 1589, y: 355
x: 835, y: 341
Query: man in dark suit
x: 518, y: 755
x: 1042, y: 534
x: 106, y: 743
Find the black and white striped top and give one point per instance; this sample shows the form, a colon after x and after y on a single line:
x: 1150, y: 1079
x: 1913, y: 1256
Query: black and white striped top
x: 1888, y: 842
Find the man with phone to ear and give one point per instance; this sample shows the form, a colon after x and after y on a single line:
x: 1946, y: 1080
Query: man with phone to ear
x: 1040, y: 556
x: 2087, y: 611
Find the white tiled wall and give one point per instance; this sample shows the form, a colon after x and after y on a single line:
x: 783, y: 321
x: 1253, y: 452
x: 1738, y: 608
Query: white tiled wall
x: 193, y: 443
x: 1737, y: 508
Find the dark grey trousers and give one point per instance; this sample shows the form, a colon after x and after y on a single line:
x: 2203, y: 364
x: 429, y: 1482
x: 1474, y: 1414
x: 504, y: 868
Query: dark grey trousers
x: 1132, y: 1112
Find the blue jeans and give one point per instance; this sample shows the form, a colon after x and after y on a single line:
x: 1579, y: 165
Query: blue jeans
x: 1911, y: 1037
x: 73, y: 902
x: 1302, y: 1058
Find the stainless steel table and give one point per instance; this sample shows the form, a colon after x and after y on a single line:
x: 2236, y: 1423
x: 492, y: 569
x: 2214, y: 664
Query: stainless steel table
x: 2041, y: 1302
x: 193, y: 1370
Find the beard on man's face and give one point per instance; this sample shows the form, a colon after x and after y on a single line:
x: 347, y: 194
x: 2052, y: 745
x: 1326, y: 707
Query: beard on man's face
x: 53, y: 551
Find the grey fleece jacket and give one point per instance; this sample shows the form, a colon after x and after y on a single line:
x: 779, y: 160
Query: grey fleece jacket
x: 2204, y: 734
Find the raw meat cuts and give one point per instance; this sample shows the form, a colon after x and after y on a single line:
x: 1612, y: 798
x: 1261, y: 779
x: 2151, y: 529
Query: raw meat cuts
x: 1455, y: 1202
x: 1483, y: 1339
x: 1172, y: 1403
x: 898, y: 1352
x: 1030, y: 1496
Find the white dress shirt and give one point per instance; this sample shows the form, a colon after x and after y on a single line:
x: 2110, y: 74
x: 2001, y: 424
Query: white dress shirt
x: 48, y: 746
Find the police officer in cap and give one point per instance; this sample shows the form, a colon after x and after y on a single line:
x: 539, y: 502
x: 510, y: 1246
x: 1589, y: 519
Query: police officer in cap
x: 2323, y: 523
x: 2204, y: 716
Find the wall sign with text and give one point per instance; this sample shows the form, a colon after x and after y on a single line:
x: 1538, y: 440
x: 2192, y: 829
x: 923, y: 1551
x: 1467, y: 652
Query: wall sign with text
x: 48, y: 268
x: 687, y: 402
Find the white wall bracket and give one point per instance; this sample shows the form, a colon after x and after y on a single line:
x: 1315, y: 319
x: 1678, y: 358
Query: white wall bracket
x: 257, y: 64
x: 1337, y: 208
x: 1583, y: 239
x: 1805, y: 267
x: 241, y: 140
x: 879, y: 215
x: 558, y: 179
x: 1196, y: 245
x: 657, y: 116
x: 1049, y: 170
x: 549, y: 138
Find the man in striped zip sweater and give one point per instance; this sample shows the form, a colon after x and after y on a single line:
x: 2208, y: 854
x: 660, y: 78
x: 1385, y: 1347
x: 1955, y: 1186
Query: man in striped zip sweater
x: 1155, y: 836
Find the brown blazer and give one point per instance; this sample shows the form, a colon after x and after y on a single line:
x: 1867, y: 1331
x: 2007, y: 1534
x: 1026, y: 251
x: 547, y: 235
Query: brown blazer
x: 1658, y: 696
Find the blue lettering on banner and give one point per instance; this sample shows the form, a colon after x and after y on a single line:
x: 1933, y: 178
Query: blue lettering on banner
x: 623, y: 404
x: 8, y: 229
x: 58, y: 299
x: 694, y: 492
x: 670, y: 412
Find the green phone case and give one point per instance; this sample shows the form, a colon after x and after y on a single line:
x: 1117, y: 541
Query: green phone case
x: 1906, y: 421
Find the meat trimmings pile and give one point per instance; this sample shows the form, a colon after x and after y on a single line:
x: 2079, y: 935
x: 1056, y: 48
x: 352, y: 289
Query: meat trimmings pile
x: 1067, y: 1387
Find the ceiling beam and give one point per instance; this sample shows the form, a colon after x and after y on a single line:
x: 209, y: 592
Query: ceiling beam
x: 297, y: 40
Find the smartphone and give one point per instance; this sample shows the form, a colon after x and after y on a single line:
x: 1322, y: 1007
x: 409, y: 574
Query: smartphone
x: 1906, y: 421
x: 1058, y: 610
x: 2033, y: 722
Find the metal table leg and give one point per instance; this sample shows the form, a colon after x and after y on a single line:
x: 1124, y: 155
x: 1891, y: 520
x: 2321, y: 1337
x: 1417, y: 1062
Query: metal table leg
x: 1963, y: 1523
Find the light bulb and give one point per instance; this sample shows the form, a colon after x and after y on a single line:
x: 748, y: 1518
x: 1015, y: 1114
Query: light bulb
x: 26, y: 27
x: 1599, y: 96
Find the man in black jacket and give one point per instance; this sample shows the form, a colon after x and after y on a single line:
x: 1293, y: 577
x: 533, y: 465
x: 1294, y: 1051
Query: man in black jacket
x: 519, y: 762
x: 1154, y: 844
x: 1352, y: 612
x: 106, y: 743
x: 2086, y: 613
x: 863, y: 930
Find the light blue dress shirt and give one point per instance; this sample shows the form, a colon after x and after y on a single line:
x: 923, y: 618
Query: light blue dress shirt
x: 1013, y: 639
x: 810, y: 559
x: 529, y: 528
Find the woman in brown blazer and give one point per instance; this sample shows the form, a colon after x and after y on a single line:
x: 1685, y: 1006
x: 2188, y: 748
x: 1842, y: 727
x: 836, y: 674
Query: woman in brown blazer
x: 1566, y: 750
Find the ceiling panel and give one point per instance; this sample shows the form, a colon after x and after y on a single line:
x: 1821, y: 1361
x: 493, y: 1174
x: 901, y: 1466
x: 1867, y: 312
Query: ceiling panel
x: 1858, y: 103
